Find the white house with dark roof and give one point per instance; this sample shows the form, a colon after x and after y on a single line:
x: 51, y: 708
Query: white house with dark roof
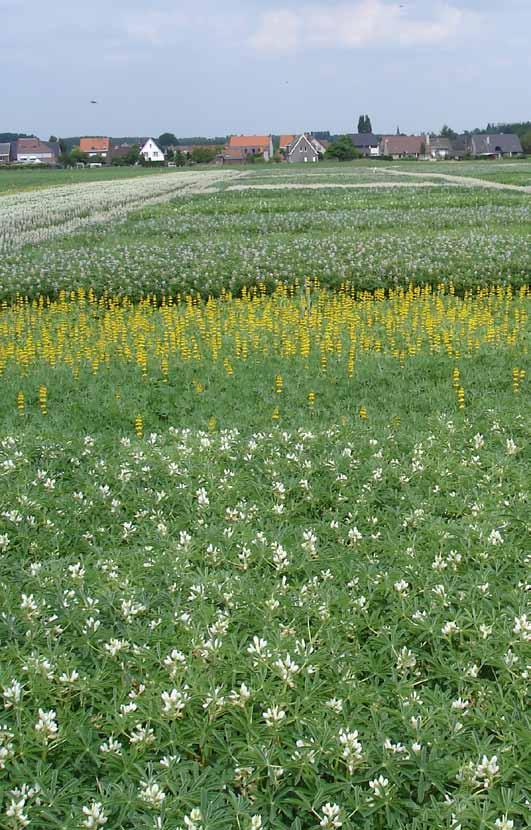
x: 150, y: 151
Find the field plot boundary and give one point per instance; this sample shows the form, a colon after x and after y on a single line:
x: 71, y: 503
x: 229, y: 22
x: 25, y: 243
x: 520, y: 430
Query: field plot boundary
x: 468, y: 181
x: 332, y: 186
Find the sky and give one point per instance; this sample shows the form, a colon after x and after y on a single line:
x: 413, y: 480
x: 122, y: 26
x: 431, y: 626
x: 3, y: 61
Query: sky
x: 217, y: 67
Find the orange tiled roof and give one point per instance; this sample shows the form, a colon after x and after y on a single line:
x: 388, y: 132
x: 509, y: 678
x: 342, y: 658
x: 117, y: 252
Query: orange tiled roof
x: 250, y: 141
x: 285, y: 140
x: 94, y: 145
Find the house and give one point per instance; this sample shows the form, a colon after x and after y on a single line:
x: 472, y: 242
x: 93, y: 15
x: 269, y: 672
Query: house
x: 285, y: 141
x: 120, y: 151
x: 495, y: 145
x: 305, y: 148
x: 460, y: 147
x: 96, y: 147
x: 438, y: 147
x: 5, y: 152
x: 240, y: 147
x: 403, y: 146
x: 366, y: 143
x: 150, y: 151
x: 35, y: 151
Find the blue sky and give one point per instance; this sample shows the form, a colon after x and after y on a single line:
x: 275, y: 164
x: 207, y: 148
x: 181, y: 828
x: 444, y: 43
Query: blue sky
x: 222, y: 66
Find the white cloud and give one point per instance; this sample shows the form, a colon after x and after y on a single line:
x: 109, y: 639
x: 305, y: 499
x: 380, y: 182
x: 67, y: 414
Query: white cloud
x: 359, y: 24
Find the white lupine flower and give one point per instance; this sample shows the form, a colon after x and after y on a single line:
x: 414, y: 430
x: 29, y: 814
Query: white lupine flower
x: 522, y: 627
x: 495, y: 537
x: 239, y: 697
x: 193, y: 821
x: 354, y: 535
x: 256, y: 823
x: 142, y: 735
x: 151, y: 794
x: 331, y: 820
x: 274, y: 715
x: 173, y: 703
x: 258, y: 648
x: 175, y: 661
x: 15, y: 811
x: 504, y: 823
x: 482, y: 774
x: 287, y: 669
x: 46, y: 725
x: 352, y: 750
x: 4, y: 541
x: 111, y: 747
x: 202, y: 497
x: 510, y: 449
x: 379, y: 786
x: 94, y: 816
x: 13, y: 694
x: 68, y: 678
x: 401, y: 587
x: 6, y: 746
x: 115, y: 646
x: 405, y: 660
x: 450, y: 628
x: 335, y: 705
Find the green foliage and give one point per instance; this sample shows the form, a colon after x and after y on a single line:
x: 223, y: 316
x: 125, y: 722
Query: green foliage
x: 364, y: 124
x: 204, y: 155
x: 234, y: 622
x: 166, y: 140
x: 343, y: 150
x: 526, y: 142
x: 447, y: 132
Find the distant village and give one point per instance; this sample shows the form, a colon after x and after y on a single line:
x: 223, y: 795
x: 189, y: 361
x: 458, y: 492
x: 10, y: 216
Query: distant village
x: 304, y: 147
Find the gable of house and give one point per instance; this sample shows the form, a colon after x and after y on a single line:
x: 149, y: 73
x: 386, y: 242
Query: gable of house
x: 303, y: 149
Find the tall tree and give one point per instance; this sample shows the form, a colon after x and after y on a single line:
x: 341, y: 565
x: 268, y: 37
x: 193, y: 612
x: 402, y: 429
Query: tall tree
x: 364, y: 124
x: 368, y: 125
x: 166, y: 139
x: 447, y: 132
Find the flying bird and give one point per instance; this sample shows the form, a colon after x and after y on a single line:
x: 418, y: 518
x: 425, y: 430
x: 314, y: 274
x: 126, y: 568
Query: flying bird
x: 93, y: 102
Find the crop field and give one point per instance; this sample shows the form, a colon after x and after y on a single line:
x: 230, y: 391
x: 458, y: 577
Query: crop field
x: 24, y: 179
x: 264, y: 504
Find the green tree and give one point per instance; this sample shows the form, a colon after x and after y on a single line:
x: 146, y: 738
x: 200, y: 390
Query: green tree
x: 180, y: 159
x: 53, y: 139
x: 343, y: 150
x: 447, y: 132
x: 204, y: 155
x: 166, y: 140
x: 364, y: 124
x: 526, y: 142
x: 133, y: 156
x: 78, y: 155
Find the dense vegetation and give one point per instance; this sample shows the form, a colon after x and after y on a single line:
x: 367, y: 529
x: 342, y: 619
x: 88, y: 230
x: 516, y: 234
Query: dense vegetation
x: 263, y: 559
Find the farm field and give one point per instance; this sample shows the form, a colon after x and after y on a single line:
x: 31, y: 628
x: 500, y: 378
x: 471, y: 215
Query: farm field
x: 264, y: 506
x: 15, y: 181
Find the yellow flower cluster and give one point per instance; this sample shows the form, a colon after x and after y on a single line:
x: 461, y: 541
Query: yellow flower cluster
x: 81, y: 331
